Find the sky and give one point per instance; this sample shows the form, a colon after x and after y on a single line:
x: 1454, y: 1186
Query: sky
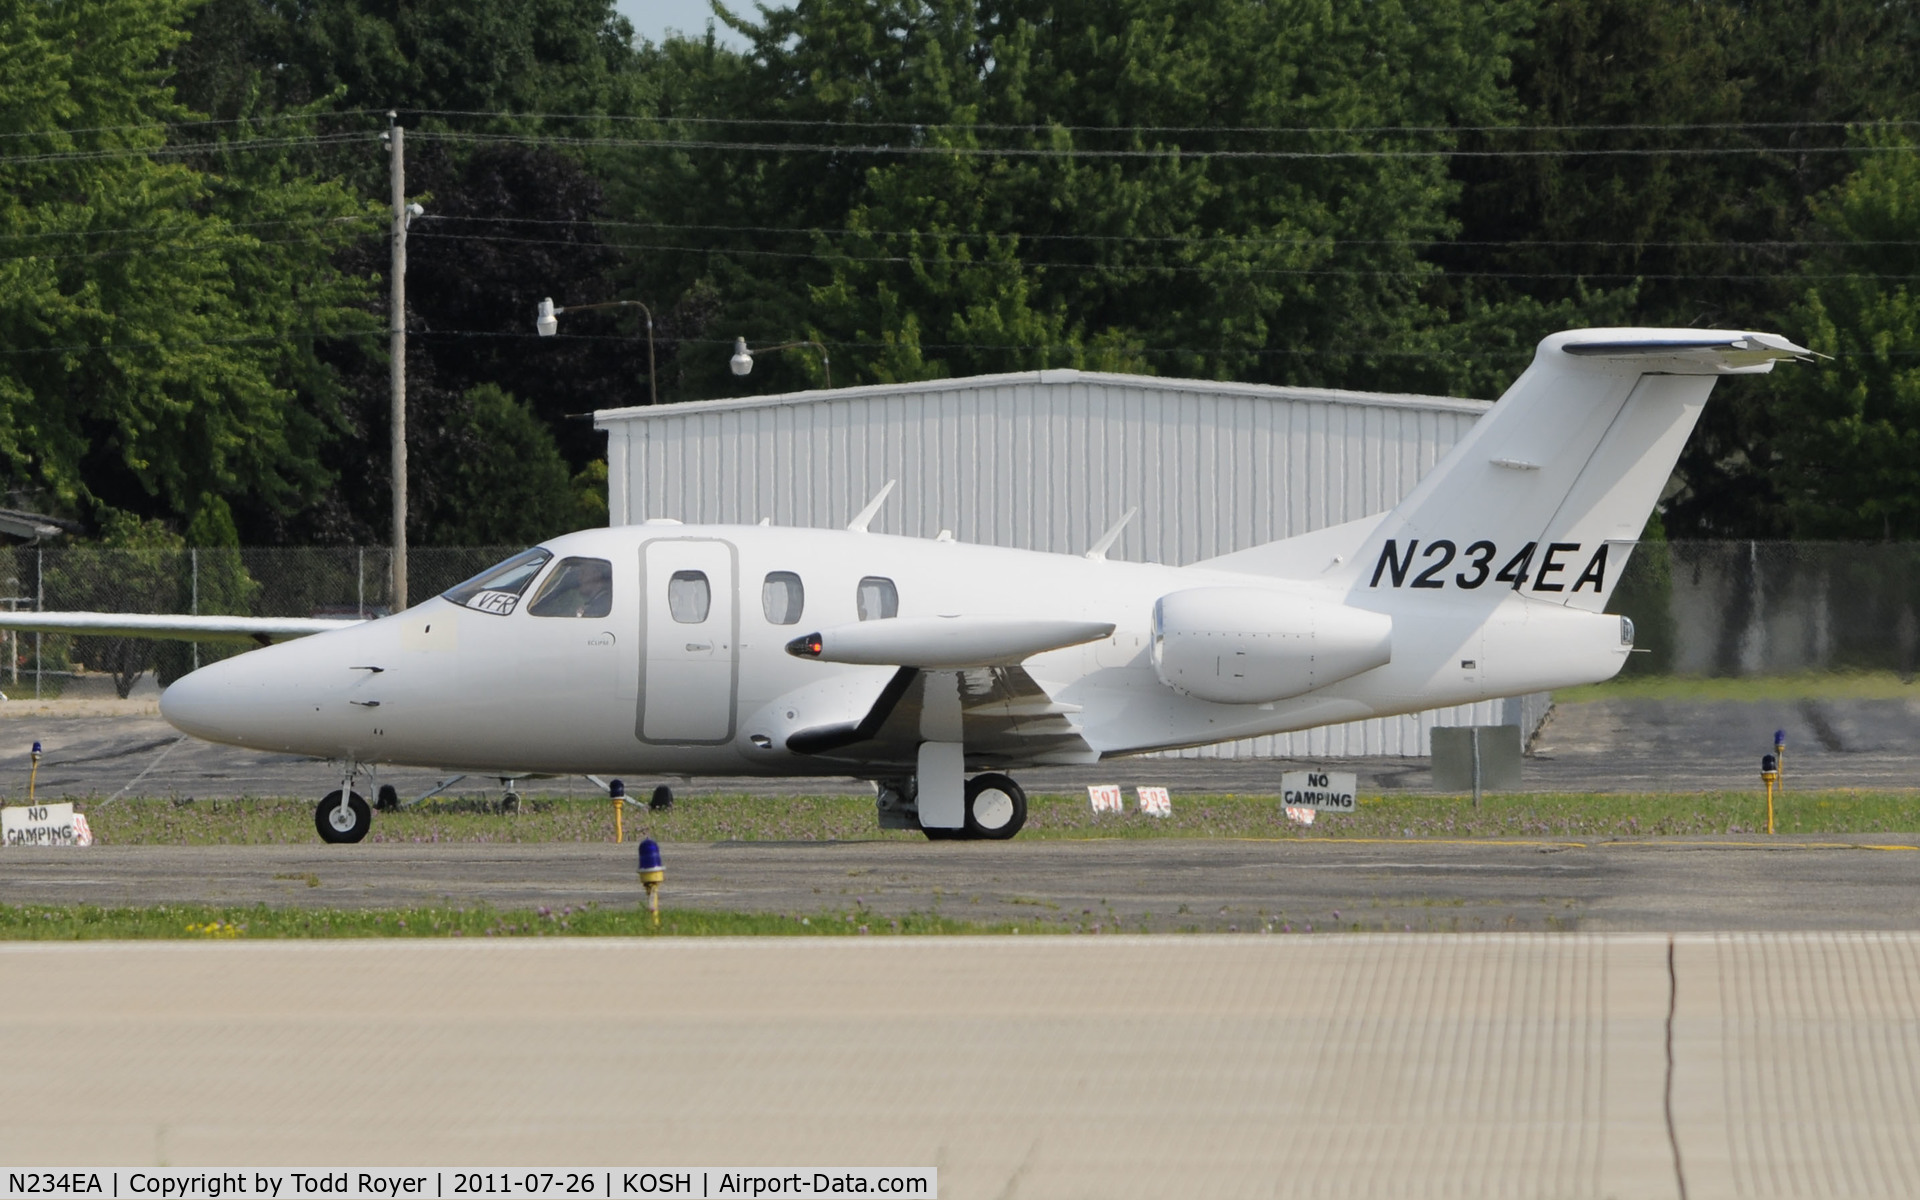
x: 653, y: 18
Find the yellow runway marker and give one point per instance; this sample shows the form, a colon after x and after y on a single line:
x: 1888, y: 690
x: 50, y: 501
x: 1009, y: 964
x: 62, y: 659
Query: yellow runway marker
x: 1755, y: 846
x: 1366, y: 841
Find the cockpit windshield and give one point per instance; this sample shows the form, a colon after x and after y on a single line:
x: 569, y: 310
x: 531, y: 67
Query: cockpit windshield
x: 578, y: 587
x: 498, y: 589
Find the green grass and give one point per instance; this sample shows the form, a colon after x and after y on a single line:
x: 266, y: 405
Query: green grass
x: 37, y: 922
x: 723, y: 818
x: 1806, y: 685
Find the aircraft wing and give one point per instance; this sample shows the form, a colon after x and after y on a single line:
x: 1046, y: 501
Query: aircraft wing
x: 1007, y: 720
x: 945, y: 643
x: 173, y: 626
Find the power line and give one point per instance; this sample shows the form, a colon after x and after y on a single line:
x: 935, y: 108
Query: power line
x: 1422, y: 267
x: 870, y: 149
x: 282, y: 336
x: 427, y: 229
x: 183, y: 149
x: 165, y: 126
x: 1157, y: 154
x: 956, y: 235
x: 932, y: 126
x: 173, y: 231
x: 1239, y: 239
x: 1414, y: 271
x: 976, y: 347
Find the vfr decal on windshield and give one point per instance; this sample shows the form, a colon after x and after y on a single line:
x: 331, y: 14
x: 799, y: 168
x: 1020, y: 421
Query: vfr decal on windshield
x: 1432, y: 566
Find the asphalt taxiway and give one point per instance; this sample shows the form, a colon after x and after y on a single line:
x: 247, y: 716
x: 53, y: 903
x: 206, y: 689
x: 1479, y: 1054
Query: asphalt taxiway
x: 103, y: 748
x: 1286, y: 886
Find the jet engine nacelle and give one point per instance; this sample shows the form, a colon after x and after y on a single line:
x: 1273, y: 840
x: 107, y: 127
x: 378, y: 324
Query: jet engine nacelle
x: 1250, y: 646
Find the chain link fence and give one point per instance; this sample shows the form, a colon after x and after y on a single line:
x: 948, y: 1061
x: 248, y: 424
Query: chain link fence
x: 293, y: 582
x: 1699, y: 608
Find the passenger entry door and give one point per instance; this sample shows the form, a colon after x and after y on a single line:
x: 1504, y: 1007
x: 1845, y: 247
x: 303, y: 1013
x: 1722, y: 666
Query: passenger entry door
x: 690, y: 641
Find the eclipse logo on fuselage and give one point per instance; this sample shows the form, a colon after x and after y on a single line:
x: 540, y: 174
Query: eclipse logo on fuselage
x: 1438, y: 556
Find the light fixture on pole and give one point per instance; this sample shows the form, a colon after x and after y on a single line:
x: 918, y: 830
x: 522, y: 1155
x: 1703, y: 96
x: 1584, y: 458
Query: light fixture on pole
x: 742, y: 360
x: 546, y: 323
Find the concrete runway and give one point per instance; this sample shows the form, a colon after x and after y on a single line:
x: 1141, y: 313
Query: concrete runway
x: 1577, y: 1065
x: 1652, y: 884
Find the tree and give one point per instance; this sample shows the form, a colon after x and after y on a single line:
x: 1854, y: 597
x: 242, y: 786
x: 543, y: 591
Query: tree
x: 1845, y: 450
x: 509, y: 485
x: 1071, y: 189
x: 159, y: 301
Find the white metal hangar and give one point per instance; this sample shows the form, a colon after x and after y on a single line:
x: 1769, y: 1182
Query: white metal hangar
x: 1047, y: 460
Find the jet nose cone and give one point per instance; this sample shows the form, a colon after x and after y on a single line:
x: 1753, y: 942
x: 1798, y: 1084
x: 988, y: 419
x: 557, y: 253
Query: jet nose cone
x: 202, y: 704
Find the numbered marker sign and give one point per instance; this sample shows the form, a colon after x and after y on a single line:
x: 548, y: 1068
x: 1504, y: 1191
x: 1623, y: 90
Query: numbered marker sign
x: 1105, y: 797
x: 42, y: 825
x: 1154, y: 802
x: 1327, y: 791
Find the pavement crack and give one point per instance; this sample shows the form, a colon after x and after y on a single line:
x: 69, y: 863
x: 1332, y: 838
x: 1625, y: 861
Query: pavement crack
x: 1673, y: 1134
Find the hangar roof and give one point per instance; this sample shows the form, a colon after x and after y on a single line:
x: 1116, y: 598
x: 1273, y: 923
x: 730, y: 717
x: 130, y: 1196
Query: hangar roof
x: 1054, y: 376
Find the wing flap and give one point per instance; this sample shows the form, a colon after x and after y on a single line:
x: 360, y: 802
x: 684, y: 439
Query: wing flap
x: 1007, y: 719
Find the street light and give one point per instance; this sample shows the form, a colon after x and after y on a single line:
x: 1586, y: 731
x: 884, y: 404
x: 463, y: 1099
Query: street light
x: 742, y: 360
x: 546, y: 322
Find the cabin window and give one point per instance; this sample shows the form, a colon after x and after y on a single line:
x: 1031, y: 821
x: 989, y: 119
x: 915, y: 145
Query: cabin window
x: 688, y: 597
x: 877, y: 599
x: 497, y: 589
x: 783, y: 596
x: 578, y: 587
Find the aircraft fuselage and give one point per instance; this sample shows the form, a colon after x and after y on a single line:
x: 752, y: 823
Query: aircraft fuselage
x: 685, y: 668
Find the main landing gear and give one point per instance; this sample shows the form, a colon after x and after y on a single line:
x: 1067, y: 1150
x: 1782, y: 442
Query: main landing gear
x: 995, y: 809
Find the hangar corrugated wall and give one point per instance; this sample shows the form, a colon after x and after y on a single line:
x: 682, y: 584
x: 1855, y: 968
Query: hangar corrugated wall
x: 1046, y: 460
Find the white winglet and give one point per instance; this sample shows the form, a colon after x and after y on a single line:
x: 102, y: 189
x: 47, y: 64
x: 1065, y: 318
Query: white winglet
x: 1098, y: 551
x: 865, y: 517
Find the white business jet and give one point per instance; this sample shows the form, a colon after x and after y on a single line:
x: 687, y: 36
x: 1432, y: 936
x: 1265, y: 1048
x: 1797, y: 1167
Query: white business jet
x: 934, y: 667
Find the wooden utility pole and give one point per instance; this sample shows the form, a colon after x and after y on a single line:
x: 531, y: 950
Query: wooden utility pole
x: 397, y: 369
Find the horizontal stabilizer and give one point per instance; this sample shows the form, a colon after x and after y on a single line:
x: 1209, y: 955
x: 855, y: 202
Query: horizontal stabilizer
x: 177, y: 627
x: 945, y: 643
x: 1687, y: 352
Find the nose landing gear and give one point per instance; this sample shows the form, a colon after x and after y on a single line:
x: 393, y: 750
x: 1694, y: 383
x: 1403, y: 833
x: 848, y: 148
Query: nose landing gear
x: 343, y: 815
x: 343, y: 820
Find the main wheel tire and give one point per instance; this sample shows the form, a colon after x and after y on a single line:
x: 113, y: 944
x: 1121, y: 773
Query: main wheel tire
x: 943, y: 835
x: 662, y: 799
x: 342, y: 824
x: 387, y: 799
x: 996, y: 807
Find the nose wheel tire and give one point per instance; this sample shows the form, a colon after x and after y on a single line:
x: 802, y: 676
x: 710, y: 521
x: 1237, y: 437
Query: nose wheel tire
x: 339, y: 822
x: 996, y: 807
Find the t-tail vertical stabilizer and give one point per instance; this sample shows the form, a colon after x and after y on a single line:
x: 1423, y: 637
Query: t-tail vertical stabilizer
x: 1548, y: 493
